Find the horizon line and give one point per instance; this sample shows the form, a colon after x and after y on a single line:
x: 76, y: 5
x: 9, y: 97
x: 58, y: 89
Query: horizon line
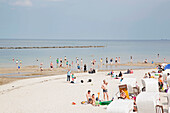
x: 93, y: 39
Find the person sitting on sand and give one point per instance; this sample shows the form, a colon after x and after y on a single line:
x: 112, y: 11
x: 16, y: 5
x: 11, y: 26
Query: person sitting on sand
x: 93, y: 100
x: 128, y: 71
x: 105, y: 90
x: 89, y: 97
x: 41, y: 69
x: 146, y: 61
x: 113, y: 74
x: 123, y: 94
x: 120, y: 74
x: 116, y: 77
x: 146, y: 76
x: 131, y: 71
x: 149, y: 74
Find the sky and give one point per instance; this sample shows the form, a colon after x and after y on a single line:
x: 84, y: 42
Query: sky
x: 85, y: 19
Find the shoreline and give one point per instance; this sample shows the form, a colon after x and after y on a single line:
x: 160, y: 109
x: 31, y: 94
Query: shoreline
x: 8, y: 75
x: 52, y: 47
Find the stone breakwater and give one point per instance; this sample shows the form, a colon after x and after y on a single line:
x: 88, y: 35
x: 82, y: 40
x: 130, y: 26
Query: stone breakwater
x: 51, y: 47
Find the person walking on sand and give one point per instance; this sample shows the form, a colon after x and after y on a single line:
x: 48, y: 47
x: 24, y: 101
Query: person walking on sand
x: 105, y: 90
x: 68, y: 75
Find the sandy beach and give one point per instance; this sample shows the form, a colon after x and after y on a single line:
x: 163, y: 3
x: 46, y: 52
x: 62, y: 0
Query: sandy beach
x: 53, y: 94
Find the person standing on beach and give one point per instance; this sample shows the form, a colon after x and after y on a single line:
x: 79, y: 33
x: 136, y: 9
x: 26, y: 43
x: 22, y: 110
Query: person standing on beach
x: 16, y: 62
x: 67, y: 63
x: 158, y: 55
x: 111, y: 61
x: 61, y: 62
x: 51, y: 66
x: 57, y: 61
x: 85, y: 68
x: 106, y: 60
x: 68, y: 75
x: 81, y: 61
x: 101, y: 61
x: 164, y: 60
x: 105, y: 90
x: 119, y: 59
x: 116, y: 60
x: 65, y: 60
x: 131, y: 60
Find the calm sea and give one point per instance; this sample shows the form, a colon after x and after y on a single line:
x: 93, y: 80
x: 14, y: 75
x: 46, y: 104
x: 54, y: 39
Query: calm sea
x: 139, y: 49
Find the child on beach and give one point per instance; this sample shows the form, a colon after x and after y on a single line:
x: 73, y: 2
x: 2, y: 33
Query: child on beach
x: 72, y: 76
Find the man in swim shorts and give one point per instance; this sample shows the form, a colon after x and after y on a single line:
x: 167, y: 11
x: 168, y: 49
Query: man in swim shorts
x: 105, y: 90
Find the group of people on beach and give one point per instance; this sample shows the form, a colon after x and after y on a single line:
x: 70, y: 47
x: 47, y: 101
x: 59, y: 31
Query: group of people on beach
x: 91, y: 99
x: 71, y: 75
x: 117, y: 60
x: 18, y: 63
x: 81, y: 66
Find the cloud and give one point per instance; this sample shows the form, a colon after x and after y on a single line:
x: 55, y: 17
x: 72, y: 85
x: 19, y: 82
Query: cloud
x: 22, y: 3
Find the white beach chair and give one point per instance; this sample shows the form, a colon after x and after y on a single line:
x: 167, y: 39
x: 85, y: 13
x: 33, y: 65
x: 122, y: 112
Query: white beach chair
x: 130, y: 82
x: 147, y: 101
x: 120, y: 106
x: 150, y: 84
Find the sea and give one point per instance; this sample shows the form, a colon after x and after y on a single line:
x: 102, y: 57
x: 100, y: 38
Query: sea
x: 138, y: 49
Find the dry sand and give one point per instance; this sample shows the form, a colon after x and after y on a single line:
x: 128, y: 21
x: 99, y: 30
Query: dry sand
x: 53, y: 94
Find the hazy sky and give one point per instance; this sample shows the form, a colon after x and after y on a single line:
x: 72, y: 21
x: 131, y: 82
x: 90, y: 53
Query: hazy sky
x: 85, y: 19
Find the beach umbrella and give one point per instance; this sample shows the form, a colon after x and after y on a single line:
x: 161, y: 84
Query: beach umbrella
x: 167, y: 67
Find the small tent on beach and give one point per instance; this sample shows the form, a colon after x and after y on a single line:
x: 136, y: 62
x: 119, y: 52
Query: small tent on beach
x: 167, y: 67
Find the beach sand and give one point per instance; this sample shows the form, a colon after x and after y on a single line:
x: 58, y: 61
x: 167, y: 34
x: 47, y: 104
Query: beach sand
x: 53, y: 94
